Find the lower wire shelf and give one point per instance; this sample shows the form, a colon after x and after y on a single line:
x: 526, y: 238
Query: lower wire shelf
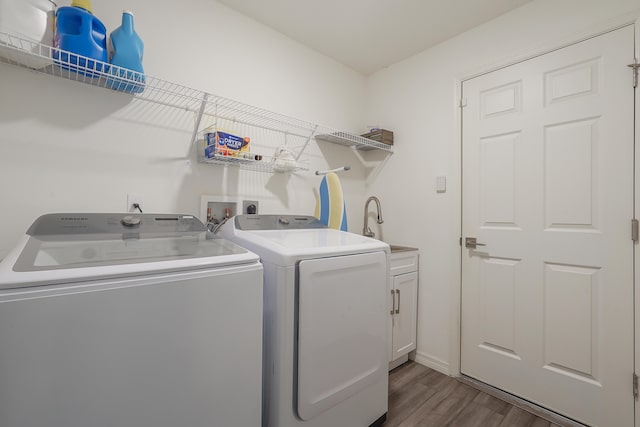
x: 267, y: 164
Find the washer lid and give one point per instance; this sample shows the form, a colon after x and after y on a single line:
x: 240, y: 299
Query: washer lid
x: 103, y: 250
x: 62, y: 247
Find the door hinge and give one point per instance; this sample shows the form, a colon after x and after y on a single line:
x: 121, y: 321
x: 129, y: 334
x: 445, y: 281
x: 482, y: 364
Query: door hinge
x: 463, y: 102
x: 635, y: 66
x: 634, y: 230
x: 635, y: 386
x: 460, y: 241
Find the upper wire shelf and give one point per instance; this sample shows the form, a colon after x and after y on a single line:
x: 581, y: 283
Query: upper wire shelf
x: 40, y: 57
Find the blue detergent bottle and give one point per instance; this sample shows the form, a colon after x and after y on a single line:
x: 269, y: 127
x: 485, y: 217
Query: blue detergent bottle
x: 128, y: 49
x: 81, y: 33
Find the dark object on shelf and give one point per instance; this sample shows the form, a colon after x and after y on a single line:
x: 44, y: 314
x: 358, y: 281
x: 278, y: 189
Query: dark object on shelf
x: 380, y: 135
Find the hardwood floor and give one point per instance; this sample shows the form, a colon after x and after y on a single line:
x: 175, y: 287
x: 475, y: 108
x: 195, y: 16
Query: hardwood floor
x: 420, y: 396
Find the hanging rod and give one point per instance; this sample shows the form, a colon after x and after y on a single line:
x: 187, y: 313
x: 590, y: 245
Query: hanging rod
x: 343, y: 168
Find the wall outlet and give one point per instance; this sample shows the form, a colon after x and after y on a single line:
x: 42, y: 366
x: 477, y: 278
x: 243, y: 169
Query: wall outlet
x: 249, y: 207
x: 133, y: 199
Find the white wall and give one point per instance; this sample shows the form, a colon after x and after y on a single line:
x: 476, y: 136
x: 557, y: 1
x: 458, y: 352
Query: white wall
x: 68, y: 147
x: 417, y: 99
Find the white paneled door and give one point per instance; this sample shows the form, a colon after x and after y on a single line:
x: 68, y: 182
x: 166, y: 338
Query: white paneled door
x: 547, y: 302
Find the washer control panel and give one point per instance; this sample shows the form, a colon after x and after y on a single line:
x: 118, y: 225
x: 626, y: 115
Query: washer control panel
x: 114, y: 223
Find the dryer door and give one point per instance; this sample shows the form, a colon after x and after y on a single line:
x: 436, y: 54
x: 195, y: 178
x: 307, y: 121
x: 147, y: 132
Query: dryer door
x: 342, y: 329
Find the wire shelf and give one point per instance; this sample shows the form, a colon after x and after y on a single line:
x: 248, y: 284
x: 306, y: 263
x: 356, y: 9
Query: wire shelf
x: 50, y: 60
x: 57, y: 62
x: 349, y: 140
x: 265, y: 164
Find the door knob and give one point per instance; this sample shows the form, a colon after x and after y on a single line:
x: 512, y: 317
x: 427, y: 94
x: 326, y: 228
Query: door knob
x: 471, y: 243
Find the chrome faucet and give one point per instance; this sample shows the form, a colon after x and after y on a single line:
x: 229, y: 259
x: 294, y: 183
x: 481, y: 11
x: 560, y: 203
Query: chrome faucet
x: 366, y: 231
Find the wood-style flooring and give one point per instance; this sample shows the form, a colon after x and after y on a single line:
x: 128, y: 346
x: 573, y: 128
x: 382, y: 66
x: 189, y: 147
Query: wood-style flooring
x: 420, y: 396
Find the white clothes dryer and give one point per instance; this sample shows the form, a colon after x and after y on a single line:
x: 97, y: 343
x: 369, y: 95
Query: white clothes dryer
x: 325, y: 337
x: 140, y: 320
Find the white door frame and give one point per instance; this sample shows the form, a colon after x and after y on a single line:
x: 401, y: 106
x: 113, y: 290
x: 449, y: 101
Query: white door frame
x: 456, y: 175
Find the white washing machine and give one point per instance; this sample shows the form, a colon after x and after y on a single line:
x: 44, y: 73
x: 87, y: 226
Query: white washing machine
x: 325, y: 308
x: 112, y: 321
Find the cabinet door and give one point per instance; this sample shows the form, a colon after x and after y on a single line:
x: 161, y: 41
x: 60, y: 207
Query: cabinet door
x: 405, y: 314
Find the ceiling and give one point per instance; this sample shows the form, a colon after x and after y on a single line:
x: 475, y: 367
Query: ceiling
x: 368, y: 35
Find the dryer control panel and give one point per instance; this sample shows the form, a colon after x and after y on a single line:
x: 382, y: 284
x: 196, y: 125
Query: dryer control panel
x: 277, y: 222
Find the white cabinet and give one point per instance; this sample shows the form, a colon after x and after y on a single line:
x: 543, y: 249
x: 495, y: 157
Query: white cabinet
x: 403, y: 306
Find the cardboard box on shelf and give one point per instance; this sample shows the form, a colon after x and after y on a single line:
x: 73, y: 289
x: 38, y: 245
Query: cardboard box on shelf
x: 380, y: 135
x: 220, y: 143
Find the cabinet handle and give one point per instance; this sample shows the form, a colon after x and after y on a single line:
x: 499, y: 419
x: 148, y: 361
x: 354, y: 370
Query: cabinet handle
x: 393, y: 305
x: 398, y: 309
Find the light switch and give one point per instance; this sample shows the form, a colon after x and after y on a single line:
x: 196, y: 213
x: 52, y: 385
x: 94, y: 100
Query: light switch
x: 441, y: 184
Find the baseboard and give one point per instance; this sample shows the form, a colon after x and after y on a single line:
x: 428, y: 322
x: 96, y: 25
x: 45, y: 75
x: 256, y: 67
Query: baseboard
x: 432, y: 362
x: 401, y: 360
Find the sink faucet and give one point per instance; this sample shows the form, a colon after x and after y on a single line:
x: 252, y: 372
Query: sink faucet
x: 366, y: 231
